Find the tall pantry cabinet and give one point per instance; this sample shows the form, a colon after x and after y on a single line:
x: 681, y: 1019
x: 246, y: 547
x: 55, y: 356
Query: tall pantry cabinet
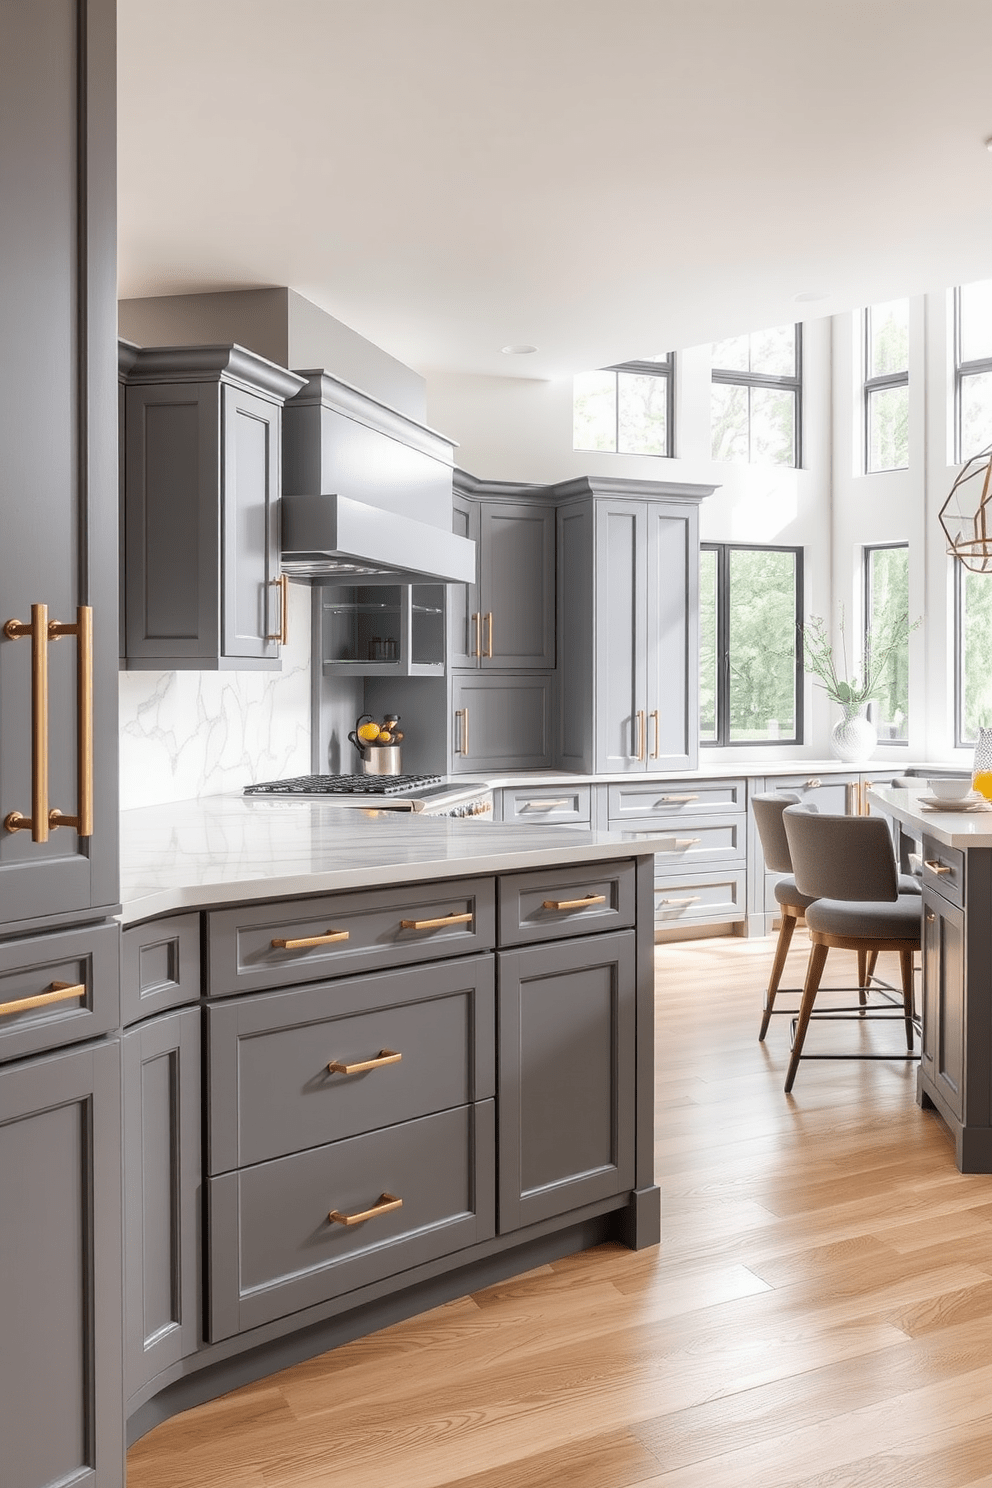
x: 60, y: 1245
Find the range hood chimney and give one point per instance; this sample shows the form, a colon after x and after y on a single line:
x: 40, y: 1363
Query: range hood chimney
x: 388, y: 520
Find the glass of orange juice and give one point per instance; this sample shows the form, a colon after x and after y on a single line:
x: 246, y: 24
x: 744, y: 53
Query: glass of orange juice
x: 982, y: 778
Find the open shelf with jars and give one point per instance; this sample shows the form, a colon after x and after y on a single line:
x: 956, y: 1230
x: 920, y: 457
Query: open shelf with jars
x: 382, y: 629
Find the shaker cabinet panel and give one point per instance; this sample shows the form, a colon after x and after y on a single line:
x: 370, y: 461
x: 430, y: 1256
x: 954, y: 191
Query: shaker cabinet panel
x: 501, y: 722
x: 621, y: 639
x: 517, y: 575
x: 252, y: 594
x: 943, y: 1052
x: 464, y: 613
x: 672, y: 639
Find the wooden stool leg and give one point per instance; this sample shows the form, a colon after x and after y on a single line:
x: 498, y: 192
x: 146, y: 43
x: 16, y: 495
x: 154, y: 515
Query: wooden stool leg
x: 814, y: 971
x: 778, y: 966
x: 872, y: 963
x: 906, y: 961
x: 863, y: 978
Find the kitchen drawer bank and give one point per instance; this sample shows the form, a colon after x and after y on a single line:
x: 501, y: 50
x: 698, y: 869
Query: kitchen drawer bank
x: 460, y: 1090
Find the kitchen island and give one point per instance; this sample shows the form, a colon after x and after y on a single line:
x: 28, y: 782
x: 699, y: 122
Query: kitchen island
x: 955, y: 1071
x: 372, y: 1062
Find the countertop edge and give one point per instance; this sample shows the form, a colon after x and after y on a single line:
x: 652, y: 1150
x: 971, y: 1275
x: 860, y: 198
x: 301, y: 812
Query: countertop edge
x: 949, y: 827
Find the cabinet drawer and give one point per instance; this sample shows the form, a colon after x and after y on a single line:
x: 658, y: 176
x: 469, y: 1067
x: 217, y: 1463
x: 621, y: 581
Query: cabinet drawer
x: 836, y: 795
x: 272, y: 1091
x: 379, y: 928
x: 549, y: 904
x: 701, y: 899
x: 703, y: 841
x: 58, y: 989
x: 674, y: 798
x: 273, y: 1248
x: 537, y: 804
x: 160, y: 966
x: 943, y: 870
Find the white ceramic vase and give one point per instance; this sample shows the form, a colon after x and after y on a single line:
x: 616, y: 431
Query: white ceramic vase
x: 853, y: 737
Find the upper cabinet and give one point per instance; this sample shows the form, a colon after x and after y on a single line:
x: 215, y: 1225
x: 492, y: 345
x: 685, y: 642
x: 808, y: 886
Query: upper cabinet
x: 506, y: 619
x: 202, y: 485
x: 628, y: 560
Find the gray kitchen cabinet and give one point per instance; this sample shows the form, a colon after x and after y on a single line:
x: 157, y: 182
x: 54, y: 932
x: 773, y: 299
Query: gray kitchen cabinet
x: 506, y: 620
x: 942, y: 1048
x: 463, y: 599
x: 500, y: 721
x: 566, y: 1108
x: 379, y: 630
x: 161, y: 1105
x: 61, y: 1419
x: 202, y: 484
x: 628, y: 577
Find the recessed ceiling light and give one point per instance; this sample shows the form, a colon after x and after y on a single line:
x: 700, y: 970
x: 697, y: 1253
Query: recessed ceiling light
x: 517, y: 350
x: 809, y: 296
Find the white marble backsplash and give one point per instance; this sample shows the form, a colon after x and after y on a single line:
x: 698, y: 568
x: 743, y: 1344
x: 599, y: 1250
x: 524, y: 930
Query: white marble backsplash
x: 189, y: 734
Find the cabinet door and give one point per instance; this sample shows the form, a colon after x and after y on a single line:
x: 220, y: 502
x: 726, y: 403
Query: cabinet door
x: 517, y: 577
x: 61, y: 1419
x: 161, y: 1193
x: 621, y: 637
x: 252, y: 615
x: 58, y: 435
x: 566, y: 1076
x: 464, y: 617
x: 501, y: 722
x: 942, y: 1055
x: 672, y: 638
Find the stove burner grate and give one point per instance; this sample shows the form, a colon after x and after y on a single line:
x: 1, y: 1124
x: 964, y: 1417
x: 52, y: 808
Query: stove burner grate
x: 344, y: 785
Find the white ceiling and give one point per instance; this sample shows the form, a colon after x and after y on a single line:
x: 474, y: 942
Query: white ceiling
x: 602, y: 180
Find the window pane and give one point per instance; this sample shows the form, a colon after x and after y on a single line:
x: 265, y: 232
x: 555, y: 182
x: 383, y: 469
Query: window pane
x: 730, y: 422
x: 887, y: 603
x: 594, y: 411
x: 975, y: 309
x: 762, y: 603
x: 976, y: 413
x: 975, y: 653
x: 642, y: 414
x: 731, y: 355
x: 888, y: 338
x: 773, y: 426
x: 707, y: 645
x: 774, y: 352
x: 888, y: 428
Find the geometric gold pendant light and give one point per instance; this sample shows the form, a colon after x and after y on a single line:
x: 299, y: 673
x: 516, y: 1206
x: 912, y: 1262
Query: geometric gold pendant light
x: 966, y: 515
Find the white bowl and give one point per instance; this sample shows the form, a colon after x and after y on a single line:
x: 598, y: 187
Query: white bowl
x: 950, y: 790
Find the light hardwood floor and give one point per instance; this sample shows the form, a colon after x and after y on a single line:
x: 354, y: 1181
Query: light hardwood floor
x: 819, y: 1312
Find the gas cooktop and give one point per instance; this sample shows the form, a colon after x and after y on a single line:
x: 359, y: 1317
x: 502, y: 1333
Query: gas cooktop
x: 345, y: 785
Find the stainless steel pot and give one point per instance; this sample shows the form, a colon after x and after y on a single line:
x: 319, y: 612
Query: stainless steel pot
x: 382, y: 759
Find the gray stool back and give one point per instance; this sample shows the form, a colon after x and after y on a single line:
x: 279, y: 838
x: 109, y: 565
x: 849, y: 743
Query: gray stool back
x: 841, y: 857
x: 768, y: 809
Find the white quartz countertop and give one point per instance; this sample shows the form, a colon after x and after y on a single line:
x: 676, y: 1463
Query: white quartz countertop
x: 225, y: 849
x: 722, y: 769
x: 953, y: 828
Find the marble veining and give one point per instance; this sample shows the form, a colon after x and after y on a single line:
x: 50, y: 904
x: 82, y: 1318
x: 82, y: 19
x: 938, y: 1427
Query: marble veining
x: 189, y: 734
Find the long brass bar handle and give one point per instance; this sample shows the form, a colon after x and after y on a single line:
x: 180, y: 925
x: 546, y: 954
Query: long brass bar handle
x: 282, y: 634
x: 691, y: 899
x: 937, y: 867
x: 669, y: 799
x: 384, y: 1056
x: 328, y: 938
x: 477, y: 618
x: 575, y: 903
x: 489, y: 643
x: 58, y: 992
x: 15, y: 821
x: 687, y: 841
x: 384, y: 1204
x: 83, y: 631
x: 656, y: 719
x: 452, y: 919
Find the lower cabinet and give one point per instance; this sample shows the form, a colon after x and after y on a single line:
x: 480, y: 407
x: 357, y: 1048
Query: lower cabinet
x: 60, y: 1260
x: 566, y: 1060
x: 161, y: 1194
x: 942, y: 1053
x: 501, y: 722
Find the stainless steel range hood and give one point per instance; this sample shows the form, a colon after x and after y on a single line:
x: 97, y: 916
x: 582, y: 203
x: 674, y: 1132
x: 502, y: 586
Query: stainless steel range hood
x: 341, y: 541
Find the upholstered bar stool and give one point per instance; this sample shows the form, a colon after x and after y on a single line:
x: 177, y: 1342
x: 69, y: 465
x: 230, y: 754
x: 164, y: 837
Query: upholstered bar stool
x: 846, y: 865
x: 768, y: 810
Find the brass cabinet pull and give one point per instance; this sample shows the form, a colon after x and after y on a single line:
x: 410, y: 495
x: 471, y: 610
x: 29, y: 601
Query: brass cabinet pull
x: 574, y: 903
x: 642, y: 731
x: 489, y: 644
x: 656, y: 719
x: 937, y: 867
x: 452, y: 919
x: 813, y: 784
x: 58, y: 992
x: 282, y: 634
x: 477, y: 618
x: 384, y: 1204
x: 669, y: 799
x: 692, y: 899
x: 384, y: 1056
x: 461, y: 745
x: 328, y: 938
x: 930, y: 916
x: 544, y: 805
x: 687, y: 841
x: 42, y: 630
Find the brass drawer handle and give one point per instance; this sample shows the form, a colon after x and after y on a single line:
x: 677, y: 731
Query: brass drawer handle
x: 930, y: 916
x: 58, y: 992
x: 452, y: 919
x: 813, y: 784
x: 937, y: 867
x: 328, y: 938
x: 282, y: 634
x: 478, y: 635
x: 488, y: 653
x: 461, y: 741
x: 656, y: 719
x: 693, y: 899
x: 575, y: 903
x: 384, y: 1204
x: 384, y: 1056
x: 680, y: 798
x: 543, y: 805
x: 687, y: 841
x: 642, y: 735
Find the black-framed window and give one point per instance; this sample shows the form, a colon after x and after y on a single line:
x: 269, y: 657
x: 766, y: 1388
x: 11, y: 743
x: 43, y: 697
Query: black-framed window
x: 628, y: 409
x: 972, y: 654
x: 756, y: 401
x: 973, y: 368
x: 751, y: 665
x: 886, y: 359
x: 886, y: 579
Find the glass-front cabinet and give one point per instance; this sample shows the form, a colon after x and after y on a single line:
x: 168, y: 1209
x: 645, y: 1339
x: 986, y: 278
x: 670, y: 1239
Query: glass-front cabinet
x: 381, y: 629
